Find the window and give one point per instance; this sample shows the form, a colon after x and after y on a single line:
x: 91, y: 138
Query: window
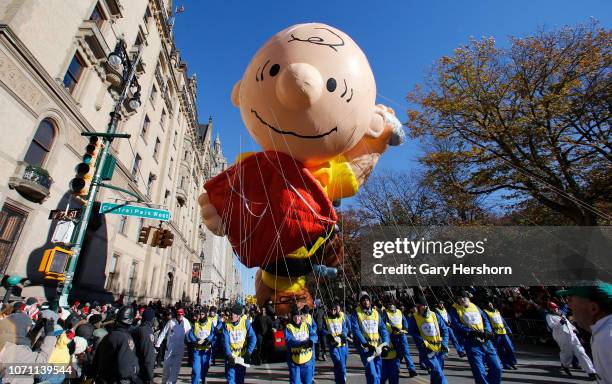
x: 140, y: 39
x: 153, y: 279
x: 74, y: 73
x: 112, y: 272
x: 171, y: 168
x: 156, y: 148
x: 186, y: 156
x: 98, y: 16
x: 136, y: 166
x: 145, y: 127
x: 132, y: 277
x: 153, y: 94
x: 140, y: 225
x: 147, y: 15
x: 170, y: 285
x: 162, y: 120
x: 11, y: 223
x: 41, y: 143
x: 182, y: 184
x: 175, y: 138
x: 122, y: 225
x: 166, y: 195
x: 150, y: 182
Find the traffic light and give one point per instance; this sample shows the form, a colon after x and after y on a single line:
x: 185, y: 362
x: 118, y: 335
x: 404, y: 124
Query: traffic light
x: 143, y: 236
x: 166, y: 239
x: 54, y: 262
x: 156, y: 237
x: 79, y: 186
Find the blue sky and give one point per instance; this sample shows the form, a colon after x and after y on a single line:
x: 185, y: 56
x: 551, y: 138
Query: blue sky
x: 401, y: 39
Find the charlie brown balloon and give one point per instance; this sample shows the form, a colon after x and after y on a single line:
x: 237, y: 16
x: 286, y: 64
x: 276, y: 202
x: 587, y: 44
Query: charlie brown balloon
x: 308, y: 99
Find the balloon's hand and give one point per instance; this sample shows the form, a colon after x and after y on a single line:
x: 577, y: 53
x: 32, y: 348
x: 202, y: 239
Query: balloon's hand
x: 210, y: 217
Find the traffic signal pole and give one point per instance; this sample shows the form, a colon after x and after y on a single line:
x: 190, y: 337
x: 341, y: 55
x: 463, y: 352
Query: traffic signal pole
x: 96, y: 181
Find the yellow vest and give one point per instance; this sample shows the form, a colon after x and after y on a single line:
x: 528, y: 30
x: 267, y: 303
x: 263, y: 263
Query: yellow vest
x: 429, y: 330
x: 395, y: 318
x: 237, y: 336
x: 202, y: 331
x: 444, y: 314
x: 369, y: 326
x: 496, y: 321
x: 300, y: 355
x: 392, y: 352
x: 307, y: 318
x: 470, y: 316
x: 335, y: 325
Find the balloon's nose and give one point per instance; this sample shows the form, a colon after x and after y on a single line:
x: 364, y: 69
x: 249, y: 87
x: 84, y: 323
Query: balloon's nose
x: 299, y: 86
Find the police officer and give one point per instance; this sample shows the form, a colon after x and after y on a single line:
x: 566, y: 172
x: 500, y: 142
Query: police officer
x: 472, y: 325
x: 115, y: 359
x: 300, y: 338
x: 371, y: 337
x: 441, y: 310
x: 397, y: 326
x: 335, y: 329
x: 430, y: 334
x: 145, y: 346
x: 501, y: 340
x: 203, y: 336
x: 239, y: 341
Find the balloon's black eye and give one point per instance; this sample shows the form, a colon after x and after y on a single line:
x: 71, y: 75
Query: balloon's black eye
x: 274, y: 70
x: 331, y: 84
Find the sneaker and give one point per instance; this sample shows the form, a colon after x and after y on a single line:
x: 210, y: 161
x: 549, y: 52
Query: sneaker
x: 412, y: 373
x: 505, y: 366
x: 461, y: 354
x: 566, y: 370
x: 514, y: 367
x: 592, y: 377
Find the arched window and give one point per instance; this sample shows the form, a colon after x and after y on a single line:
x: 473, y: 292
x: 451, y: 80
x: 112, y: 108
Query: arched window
x: 41, y: 143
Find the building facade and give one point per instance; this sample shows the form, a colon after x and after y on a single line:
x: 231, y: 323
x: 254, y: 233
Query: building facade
x: 56, y: 83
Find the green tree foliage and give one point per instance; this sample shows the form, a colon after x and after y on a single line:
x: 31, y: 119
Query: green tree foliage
x: 531, y: 122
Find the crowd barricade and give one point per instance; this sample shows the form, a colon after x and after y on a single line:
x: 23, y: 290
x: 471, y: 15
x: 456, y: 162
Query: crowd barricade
x: 529, y: 330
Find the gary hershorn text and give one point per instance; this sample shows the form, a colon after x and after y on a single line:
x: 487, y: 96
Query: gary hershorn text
x: 453, y: 269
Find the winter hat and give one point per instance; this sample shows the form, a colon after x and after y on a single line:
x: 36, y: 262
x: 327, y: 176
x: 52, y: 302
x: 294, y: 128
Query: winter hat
x: 31, y: 300
x: 22, y: 324
x: 95, y: 319
x: 148, y: 314
x: 237, y: 309
x: 85, y: 331
x: 80, y: 345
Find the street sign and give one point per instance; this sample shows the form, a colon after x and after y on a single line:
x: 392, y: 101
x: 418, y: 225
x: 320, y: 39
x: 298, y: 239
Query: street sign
x: 60, y: 214
x: 137, y: 211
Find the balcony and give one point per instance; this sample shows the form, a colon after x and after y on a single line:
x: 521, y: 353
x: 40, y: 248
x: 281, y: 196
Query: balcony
x: 31, y: 182
x: 181, y: 196
x: 95, y: 44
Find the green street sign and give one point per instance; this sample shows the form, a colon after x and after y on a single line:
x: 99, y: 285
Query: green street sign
x: 137, y: 211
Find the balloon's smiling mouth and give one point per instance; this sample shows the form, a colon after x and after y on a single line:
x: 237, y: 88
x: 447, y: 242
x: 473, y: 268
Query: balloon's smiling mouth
x: 334, y: 129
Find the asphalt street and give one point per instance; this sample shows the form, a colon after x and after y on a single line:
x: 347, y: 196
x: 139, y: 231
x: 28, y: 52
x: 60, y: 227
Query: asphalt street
x: 537, y: 365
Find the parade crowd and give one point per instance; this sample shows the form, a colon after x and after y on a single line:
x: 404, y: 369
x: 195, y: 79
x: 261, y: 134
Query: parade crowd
x: 116, y: 343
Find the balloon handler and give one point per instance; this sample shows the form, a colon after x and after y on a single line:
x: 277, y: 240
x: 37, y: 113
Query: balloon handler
x: 308, y: 99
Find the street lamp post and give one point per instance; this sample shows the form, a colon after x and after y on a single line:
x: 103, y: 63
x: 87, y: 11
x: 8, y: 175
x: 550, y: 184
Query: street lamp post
x: 119, y: 60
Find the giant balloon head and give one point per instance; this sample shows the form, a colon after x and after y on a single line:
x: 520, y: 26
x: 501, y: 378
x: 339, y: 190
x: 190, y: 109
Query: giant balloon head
x: 309, y: 92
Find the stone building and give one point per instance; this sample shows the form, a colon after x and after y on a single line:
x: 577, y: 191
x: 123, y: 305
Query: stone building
x: 55, y: 83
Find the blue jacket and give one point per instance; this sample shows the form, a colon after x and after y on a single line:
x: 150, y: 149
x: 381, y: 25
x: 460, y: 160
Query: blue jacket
x: 356, y: 328
x: 291, y: 342
x: 404, y: 321
x: 413, y: 329
x: 191, y: 337
x: 461, y: 329
x: 345, y: 327
x: 251, y: 338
